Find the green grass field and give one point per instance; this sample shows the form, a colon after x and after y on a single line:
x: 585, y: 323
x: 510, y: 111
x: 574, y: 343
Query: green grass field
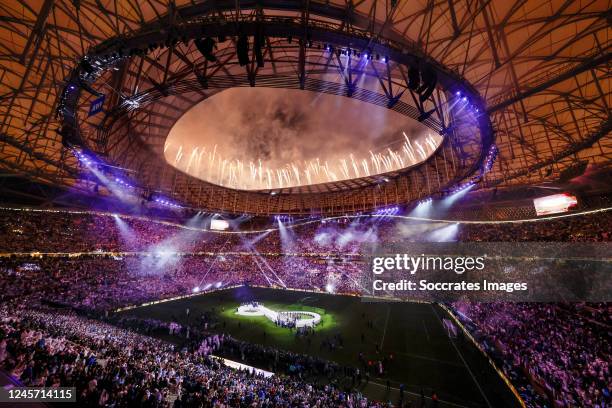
x: 424, y: 357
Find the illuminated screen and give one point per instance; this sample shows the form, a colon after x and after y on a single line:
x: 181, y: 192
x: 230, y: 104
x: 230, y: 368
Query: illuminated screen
x: 554, y: 204
x: 220, y: 225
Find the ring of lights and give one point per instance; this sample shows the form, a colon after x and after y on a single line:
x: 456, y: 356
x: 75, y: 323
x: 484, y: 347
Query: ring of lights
x: 462, y: 154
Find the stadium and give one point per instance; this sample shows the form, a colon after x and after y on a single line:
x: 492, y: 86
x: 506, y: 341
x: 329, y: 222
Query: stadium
x: 317, y: 203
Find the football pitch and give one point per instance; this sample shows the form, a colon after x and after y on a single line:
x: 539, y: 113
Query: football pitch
x: 423, y: 356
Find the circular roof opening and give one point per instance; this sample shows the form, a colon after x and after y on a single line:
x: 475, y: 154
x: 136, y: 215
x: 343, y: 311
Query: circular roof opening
x: 265, y: 138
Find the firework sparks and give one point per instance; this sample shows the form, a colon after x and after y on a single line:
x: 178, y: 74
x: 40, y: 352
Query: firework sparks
x: 210, y: 165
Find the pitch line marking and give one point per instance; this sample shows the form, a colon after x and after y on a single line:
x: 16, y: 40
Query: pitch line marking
x: 418, y: 395
x: 382, y: 341
x: 464, y: 362
x: 435, y: 360
x: 426, y: 331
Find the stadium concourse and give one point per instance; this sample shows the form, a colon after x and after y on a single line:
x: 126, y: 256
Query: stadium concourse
x: 64, y: 272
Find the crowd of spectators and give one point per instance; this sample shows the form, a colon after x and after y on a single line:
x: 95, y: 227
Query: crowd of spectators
x: 29, y: 231
x: 562, y: 353
x: 111, y: 366
x: 553, y: 352
x: 107, y: 282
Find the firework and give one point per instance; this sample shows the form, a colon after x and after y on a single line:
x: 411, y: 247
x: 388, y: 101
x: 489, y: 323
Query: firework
x: 209, y: 164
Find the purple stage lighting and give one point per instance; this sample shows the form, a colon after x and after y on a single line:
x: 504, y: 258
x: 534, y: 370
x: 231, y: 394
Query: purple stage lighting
x: 166, y: 202
x: 283, y: 218
x: 490, y: 159
x: 82, y: 157
x: 387, y: 211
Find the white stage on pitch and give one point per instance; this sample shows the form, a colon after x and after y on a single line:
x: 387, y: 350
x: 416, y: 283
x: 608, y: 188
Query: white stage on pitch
x: 296, y: 317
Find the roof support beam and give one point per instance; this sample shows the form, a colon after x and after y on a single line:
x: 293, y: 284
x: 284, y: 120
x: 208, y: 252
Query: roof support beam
x: 451, y: 7
x: 578, y: 69
x: 603, y: 131
x: 38, y: 30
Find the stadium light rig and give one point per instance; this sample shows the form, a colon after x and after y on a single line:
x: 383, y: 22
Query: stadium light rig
x: 486, y: 166
x: 387, y: 211
x: 166, y: 202
x: 123, y: 182
x: 84, y: 156
x: 283, y: 218
x: 463, y: 187
x: 467, y: 103
x: 490, y: 159
x: 87, y: 159
x: 132, y: 103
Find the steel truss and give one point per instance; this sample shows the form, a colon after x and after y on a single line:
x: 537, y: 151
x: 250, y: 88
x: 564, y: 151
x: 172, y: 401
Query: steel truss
x: 541, y: 67
x: 133, y: 133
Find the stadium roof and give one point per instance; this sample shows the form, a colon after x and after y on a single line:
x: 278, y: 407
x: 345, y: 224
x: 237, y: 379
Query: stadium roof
x: 541, y: 67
